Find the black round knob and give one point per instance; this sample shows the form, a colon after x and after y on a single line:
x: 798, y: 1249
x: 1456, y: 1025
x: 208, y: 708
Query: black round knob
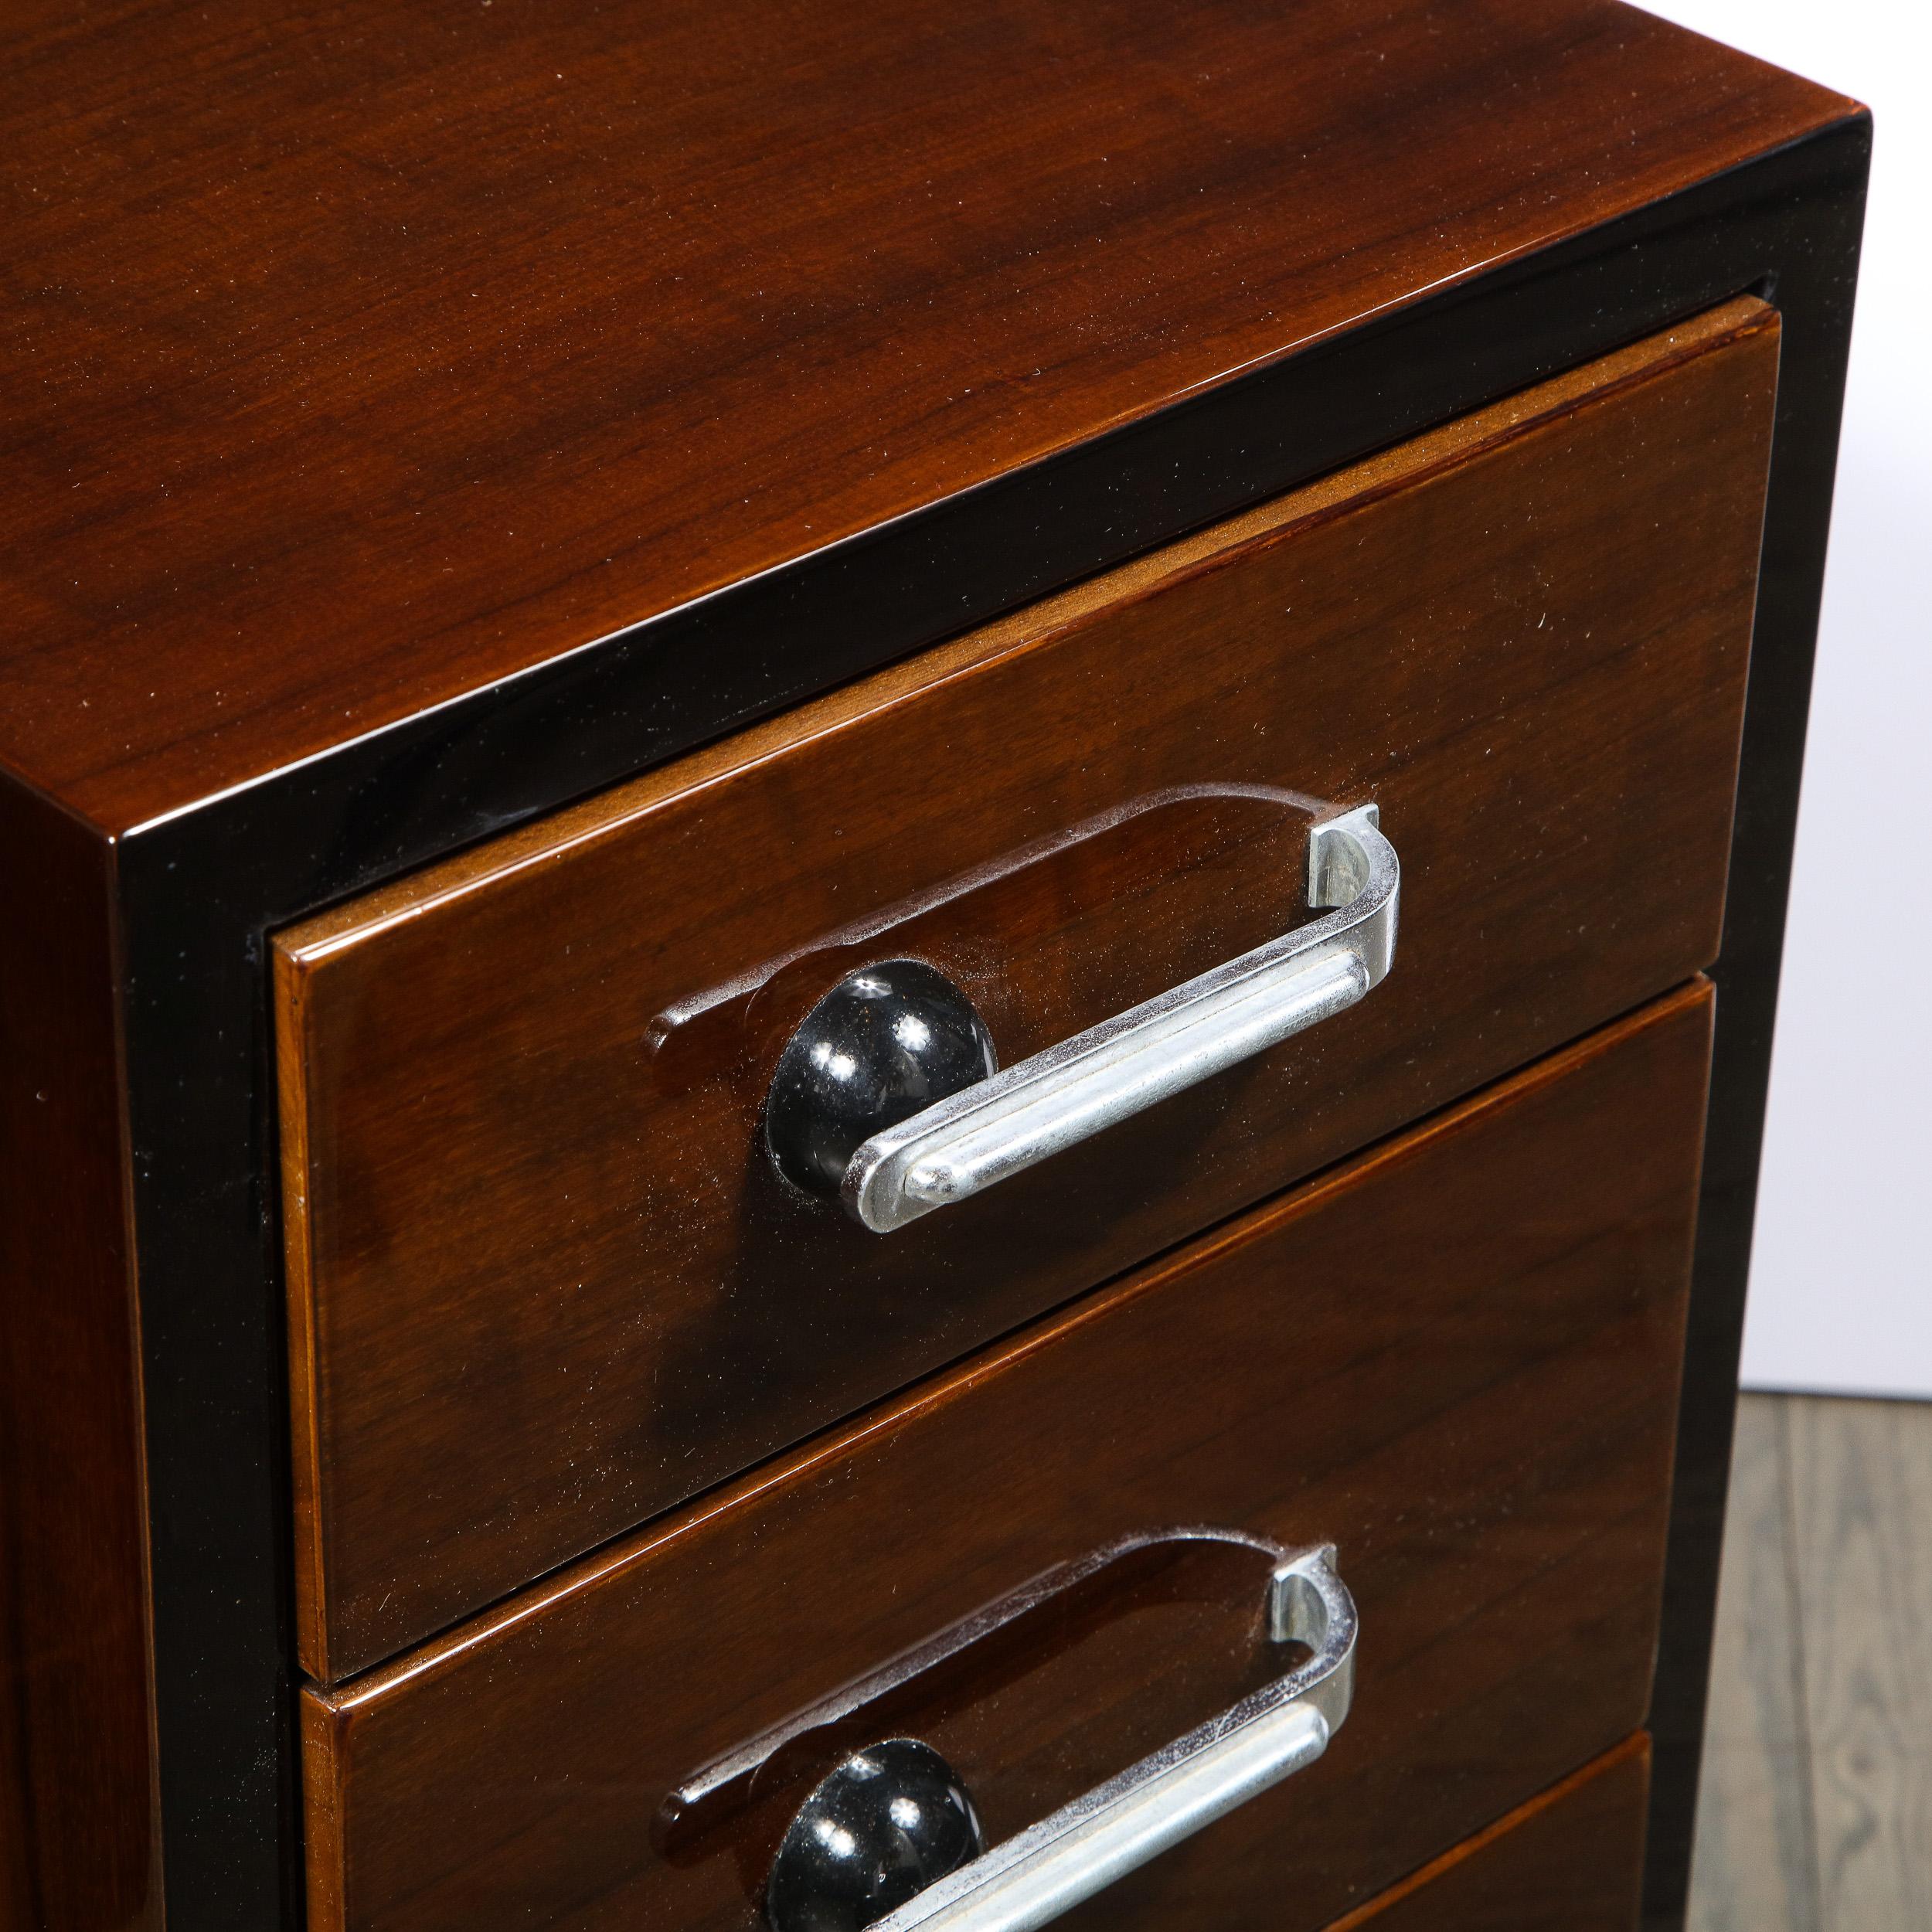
x: 883, y: 1044
x: 891, y: 1820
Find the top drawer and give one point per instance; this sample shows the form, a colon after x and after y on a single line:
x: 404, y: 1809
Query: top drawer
x: 543, y: 1280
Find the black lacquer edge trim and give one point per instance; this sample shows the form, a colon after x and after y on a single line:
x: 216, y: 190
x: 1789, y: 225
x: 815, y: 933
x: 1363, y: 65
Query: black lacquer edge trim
x: 200, y: 891
x: 1812, y: 278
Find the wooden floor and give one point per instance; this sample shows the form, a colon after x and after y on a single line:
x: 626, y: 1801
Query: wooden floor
x: 1816, y: 1811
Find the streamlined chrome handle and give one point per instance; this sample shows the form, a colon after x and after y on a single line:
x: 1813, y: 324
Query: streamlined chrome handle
x: 1068, y: 1856
x: 999, y: 1124
x: 855, y: 1837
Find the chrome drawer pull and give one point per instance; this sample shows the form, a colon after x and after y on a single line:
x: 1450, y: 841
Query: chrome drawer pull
x: 1100, y: 1836
x: 1005, y: 1122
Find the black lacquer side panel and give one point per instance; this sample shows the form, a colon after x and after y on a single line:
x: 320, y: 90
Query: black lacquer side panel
x: 200, y: 889
x: 1816, y: 280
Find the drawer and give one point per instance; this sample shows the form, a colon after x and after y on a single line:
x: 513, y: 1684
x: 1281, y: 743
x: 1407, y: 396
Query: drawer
x: 1454, y: 1358
x: 545, y: 1281
x: 1572, y: 1858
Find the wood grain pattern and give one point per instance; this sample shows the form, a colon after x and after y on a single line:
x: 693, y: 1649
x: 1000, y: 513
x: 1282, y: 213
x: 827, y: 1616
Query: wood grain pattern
x: 79, y: 1847
x: 1813, y: 1815
x: 355, y: 357
x: 1861, y: 1546
x: 1456, y: 1357
x: 1756, y: 1864
x: 1570, y: 1858
x: 534, y: 1254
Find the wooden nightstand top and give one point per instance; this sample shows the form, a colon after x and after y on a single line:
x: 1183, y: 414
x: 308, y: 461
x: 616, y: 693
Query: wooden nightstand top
x: 358, y: 360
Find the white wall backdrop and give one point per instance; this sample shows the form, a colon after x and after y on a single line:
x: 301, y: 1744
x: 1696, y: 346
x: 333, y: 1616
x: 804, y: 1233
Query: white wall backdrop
x: 1841, y: 1295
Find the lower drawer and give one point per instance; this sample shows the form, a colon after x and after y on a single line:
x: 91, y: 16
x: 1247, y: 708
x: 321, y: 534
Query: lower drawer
x: 1455, y: 1358
x: 1572, y: 1858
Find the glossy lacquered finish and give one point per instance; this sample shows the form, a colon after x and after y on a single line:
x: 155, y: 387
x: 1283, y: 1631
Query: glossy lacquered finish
x: 340, y: 343
x: 886, y: 1824
x: 197, y: 892
x: 537, y: 1254
x: 1455, y: 1356
x: 885, y: 1044
x: 1568, y: 1861
x: 524, y: 326
x: 79, y: 1847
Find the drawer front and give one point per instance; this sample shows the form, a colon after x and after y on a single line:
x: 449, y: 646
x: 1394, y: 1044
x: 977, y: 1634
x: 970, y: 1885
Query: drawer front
x: 1570, y: 1860
x: 1455, y: 1358
x: 545, y: 1281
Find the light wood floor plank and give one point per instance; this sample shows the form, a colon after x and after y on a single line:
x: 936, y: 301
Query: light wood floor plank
x: 1755, y: 1868
x: 1861, y: 1476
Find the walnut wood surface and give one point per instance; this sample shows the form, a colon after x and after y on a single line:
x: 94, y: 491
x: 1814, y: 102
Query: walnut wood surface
x: 355, y: 357
x: 79, y: 1850
x: 1568, y: 1861
x: 1456, y: 1357
x: 537, y: 1259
